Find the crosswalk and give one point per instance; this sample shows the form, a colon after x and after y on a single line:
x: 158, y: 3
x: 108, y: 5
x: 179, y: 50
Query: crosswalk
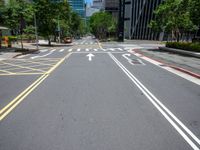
x: 47, y: 52
x: 97, y: 50
x: 85, y: 43
x: 85, y: 50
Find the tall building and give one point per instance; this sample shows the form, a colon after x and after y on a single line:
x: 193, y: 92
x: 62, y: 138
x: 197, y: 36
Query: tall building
x: 90, y: 10
x: 78, y: 6
x: 112, y: 6
x: 140, y: 13
x: 99, y: 4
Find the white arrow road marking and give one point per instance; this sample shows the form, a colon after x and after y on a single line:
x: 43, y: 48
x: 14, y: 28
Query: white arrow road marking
x: 44, y: 55
x: 90, y: 55
x: 61, y: 50
x: 126, y: 56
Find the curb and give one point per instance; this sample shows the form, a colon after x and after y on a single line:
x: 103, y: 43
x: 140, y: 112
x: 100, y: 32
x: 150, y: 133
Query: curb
x: 182, y: 52
x: 25, y: 53
x: 172, y: 66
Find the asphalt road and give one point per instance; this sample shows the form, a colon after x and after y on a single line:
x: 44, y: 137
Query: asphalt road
x: 111, y: 100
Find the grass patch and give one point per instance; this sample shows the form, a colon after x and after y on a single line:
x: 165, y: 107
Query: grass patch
x: 194, y: 47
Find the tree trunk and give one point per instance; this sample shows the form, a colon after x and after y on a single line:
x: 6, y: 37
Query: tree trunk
x: 49, y: 41
x: 0, y: 38
x: 21, y: 40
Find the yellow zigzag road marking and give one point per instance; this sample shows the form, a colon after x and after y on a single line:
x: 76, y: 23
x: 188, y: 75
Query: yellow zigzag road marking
x: 13, y: 104
x: 23, y: 67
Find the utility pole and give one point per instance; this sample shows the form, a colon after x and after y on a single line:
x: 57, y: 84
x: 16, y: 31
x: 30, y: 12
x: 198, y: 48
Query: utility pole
x: 121, y: 21
x: 58, y: 29
x: 36, y: 34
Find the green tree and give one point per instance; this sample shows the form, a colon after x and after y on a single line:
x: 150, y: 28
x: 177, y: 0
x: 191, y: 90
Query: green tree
x: 195, y: 12
x: 75, y: 24
x: 101, y: 23
x: 48, y: 14
x: 173, y: 16
x: 16, y: 14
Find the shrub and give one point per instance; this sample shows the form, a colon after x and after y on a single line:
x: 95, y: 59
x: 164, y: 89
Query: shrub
x: 195, y: 47
x: 12, y: 38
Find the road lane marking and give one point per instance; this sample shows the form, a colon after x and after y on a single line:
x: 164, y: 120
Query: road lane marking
x: 35, y: 62
x: 6, y: 71
x: 99, y: 52
x: 168, y: 68
x: 70, y: 50
x: 61, y: 50
x: 15, y: 102
x: 120, y: 49
x: 86, y: 49
x: 95, y: 50
x: 19, y: 74
x: 57, y: 64
x: 132, y: 61
x: 8, y: 108
x: 44, y: 50
x: 90, y: 55
x: 44, y: 55
x: 161, y: 107
x: 78, y: 50
x: 23, y: 67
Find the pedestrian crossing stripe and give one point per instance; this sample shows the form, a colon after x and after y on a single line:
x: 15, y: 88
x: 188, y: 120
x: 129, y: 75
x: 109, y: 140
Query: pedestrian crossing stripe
x: 85, y: 43
x: 96, y: 50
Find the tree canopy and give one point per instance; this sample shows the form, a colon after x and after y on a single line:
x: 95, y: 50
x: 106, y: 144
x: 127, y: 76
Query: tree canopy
x: 176, y: 17
x: 102, y: 23
x: 52, y: 17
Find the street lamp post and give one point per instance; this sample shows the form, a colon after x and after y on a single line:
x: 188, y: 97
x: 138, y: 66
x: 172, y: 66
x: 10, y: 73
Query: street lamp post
x: 58, y: 30
x: 121, y: 20
x: 36, y: 34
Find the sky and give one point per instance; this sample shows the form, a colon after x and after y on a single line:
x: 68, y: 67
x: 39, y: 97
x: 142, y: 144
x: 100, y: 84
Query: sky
x: 88, y: 1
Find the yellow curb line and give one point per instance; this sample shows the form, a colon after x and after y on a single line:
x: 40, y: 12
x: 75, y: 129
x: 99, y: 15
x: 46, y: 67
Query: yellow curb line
x: 99, y: 44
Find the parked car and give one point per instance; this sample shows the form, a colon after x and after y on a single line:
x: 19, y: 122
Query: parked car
x: 67, y: 40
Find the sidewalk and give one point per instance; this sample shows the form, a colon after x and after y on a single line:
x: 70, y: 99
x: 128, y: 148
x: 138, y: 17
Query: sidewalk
x: 179, y: 51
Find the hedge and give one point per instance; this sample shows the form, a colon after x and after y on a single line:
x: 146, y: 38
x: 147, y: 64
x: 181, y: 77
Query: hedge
x: 195, y: 47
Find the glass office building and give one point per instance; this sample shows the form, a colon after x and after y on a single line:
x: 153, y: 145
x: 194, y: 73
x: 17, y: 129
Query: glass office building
x: 78, y: 6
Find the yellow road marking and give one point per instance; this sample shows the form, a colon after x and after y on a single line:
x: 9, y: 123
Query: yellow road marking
x: 54, y: 67
x: 13, y: 104
x: 23, y: 67
x: 99, y: 45
x: 8, y: 108
x: 19, y: 73
x: 6, y: 71
x: 38, y: 63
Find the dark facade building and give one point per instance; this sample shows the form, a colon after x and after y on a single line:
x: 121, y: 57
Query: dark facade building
x: 140, y: 13
x: 112, y: 6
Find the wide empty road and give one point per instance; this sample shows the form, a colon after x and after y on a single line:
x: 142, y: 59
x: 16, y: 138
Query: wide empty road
x: 91, y: 97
